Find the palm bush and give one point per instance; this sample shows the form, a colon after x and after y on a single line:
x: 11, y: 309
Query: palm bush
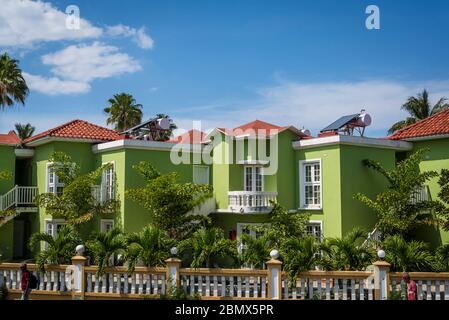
x: 58, y: 249
x: 256, y: 250
x: 123, y: 112
x: 300, y: 255
x: 151, y: 247
x: 442, y: 258
x: 347, y: 253
x: 206, y: 245
x: 105, y: 246
x: 408, y: 256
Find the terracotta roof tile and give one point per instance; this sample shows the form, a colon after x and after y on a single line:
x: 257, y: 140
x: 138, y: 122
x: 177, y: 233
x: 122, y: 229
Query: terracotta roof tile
x: 10, y: 138
x: 191, y: 137
x: 437, y: 124
x: 79, y: 129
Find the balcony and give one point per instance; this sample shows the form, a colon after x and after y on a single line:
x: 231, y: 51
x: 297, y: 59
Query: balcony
x: 250, y: 201
x: 420, y: 195
x: 103, y: 194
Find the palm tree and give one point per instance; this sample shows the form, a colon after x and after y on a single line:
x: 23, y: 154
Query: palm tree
x: 123, y: 112
x: 59, y: 249
x: 442, y: 258
x: 151, y: 246
x: 104, y: 246
x: 419, y: 108
x: 407, y: 256
x: 207, y: 244
x: 256, y: 249
x: 24, y: 131
x: 166, y: 135
x: 13, y: 87
x: 300, y: 255
x: 348, y: 253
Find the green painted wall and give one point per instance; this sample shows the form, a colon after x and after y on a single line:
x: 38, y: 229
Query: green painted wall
x: 6, y: 240
x: 436, y: 159
x: 355, y: 177
x: 330, y: 214
x: 7, y: 163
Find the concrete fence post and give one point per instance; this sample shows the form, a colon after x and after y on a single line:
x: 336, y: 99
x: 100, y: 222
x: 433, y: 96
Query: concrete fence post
x: 78, y: 275
x: 381, y: 277
x: 172, y: 277
x: 274, y: 267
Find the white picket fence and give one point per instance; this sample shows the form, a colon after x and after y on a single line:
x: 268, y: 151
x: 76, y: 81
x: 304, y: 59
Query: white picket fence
x: 430, y: 286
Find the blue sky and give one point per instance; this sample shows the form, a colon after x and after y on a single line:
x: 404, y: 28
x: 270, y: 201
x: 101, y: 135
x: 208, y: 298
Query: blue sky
x: 303, y: 63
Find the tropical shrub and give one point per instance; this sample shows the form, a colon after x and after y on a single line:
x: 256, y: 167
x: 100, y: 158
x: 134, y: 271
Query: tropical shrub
x: 151, y: 247
x: 442, y: 258
x: 397, y: 214
x: 407, y: 256
x: 106, y: 246
x: 169, y: 201
x: 256, y: 250
x: 77, y: 204
x: 347, y: 253
x: 300, y: 255
x: 206, y: 245
x: 58, y: 249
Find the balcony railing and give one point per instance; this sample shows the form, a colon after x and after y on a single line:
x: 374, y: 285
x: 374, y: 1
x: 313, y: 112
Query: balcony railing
x: 420, y: 195
x: 250, y: 201
x: 18, y: 197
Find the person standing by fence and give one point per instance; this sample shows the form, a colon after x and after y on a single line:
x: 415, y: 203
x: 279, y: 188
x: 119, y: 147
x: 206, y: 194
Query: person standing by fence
x: 410, y: 286
x: 25, y: 283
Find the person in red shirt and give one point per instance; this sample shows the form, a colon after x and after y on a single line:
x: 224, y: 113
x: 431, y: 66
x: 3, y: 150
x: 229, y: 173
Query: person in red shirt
x: 25, y: 283
x: 411, y: 286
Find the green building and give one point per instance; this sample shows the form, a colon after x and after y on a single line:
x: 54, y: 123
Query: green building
x: 247, y: 166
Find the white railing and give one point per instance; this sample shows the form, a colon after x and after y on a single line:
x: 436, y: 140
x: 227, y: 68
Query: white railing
x: 55, y: 278
x: 330, y: 285
x: 430, y: 286
x: 116, y: 280
x: 18, y: 196
x: 250, y: 201
x: 373, y: 239
x: 225, y: 283
x: 421, y: 194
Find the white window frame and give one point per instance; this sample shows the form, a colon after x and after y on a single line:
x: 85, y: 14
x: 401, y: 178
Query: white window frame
x: 108, y: 191
x: 253, y: 178
x: 195, y: 172
x: 241, y: 225
x: 104, y: 223
x: 302, y: 185
x: 56, y: 182
x: 54, y: 227
x: 317, y: 223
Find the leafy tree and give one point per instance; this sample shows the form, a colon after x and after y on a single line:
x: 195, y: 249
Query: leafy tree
x: 407, y: 256
x: 348, y: 253
x: 207, y: 244
x: 151, y: 246
x: 13, y: 87
x: 167, y: 134
x: 123, y: 111
x: 105, y: 246
x: 396, y: 211
x: 59, y: 249
x: 169, y: 201
x: 77, y: 204
x: 285, y: 224
x: 256, y: 250
x: 24, y: 131
x: 419, y: 108
x: 6, y: 175
x: 443, y: 195
x: 300, y: 255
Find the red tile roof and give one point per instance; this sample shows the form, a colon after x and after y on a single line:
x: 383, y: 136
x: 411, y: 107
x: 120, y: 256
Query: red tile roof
x: 437, y: 124
x: 78, y: 129
x: 10, y: 138
x: 259, y: 127
x: 191, y: 137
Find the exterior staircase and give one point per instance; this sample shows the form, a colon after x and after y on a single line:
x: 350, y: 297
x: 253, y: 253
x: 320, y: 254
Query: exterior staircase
x: 373, y: 239
x: 18, y: 200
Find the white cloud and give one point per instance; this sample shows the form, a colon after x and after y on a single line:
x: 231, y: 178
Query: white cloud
x: 25, y: 23
x: 88, y: 62
x: 315, y: 105
x: 139, y: 36
x: 75, y: 66
x: 54, y: 86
